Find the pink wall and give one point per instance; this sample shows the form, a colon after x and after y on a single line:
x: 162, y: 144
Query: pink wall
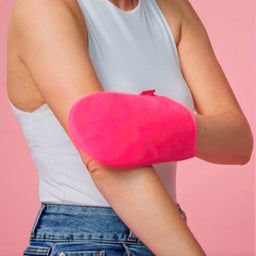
x: 218, y: 199
x: 18, y: 179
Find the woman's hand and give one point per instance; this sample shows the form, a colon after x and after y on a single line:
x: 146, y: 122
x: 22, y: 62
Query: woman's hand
x: 125, y: 130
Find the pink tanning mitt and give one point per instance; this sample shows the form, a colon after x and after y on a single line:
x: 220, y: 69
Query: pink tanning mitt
x: 125, y: 130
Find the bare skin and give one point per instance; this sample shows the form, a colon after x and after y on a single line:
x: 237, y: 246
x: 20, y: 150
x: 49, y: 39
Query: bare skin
x: 37, y: 74
x: 125, y: 5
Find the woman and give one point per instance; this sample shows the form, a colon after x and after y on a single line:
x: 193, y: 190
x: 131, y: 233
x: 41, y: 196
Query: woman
x: 60, y: 51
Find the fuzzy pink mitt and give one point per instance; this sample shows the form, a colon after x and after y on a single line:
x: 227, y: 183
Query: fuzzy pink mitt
x: 123, y: 130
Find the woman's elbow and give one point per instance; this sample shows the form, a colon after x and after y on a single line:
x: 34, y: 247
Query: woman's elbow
x: 246, y: 156
x: 245, y: 159
x: 246, y: 144
x: 239, y: 151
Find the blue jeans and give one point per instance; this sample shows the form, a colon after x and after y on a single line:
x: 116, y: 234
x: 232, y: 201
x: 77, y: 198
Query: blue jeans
x: 68, y: 230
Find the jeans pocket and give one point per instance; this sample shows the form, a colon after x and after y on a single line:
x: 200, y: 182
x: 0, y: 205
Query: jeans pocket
x: 37, y: 250
x: 87, y: 248
x: 82, y: 253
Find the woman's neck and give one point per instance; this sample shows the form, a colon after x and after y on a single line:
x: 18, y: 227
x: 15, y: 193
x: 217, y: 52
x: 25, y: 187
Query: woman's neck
x: 125, y: 5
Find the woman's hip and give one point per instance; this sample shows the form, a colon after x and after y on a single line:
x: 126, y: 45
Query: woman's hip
x: 70, y: 230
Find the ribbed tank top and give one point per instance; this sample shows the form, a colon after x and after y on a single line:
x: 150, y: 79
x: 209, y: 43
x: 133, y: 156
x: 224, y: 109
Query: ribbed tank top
x: 131, y: 51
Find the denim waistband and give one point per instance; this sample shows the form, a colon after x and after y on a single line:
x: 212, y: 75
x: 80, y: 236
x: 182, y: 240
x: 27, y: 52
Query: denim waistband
x: 57, y: 222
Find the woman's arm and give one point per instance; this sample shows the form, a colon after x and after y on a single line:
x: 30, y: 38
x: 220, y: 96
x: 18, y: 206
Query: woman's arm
x: 224, y: 135
x: 52, y: 45
x: 224, y: 138
x: 142, y: 202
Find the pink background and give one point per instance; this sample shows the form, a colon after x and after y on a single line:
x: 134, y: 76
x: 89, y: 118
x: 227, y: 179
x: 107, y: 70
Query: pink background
x: 218, y: 199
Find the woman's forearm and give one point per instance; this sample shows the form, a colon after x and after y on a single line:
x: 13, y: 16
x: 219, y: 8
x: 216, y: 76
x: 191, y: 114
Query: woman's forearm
x: 224, y: 139
x: 141, y: 201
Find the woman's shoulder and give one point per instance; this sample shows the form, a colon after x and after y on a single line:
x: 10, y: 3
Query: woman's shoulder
x: 175, y: 12
x: 21, y: 87
x: 182, y: 9
x: 31, y: 14
x: 25, y: 8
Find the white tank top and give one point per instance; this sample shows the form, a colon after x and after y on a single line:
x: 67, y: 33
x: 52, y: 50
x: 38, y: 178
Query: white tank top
x: 131, y: 51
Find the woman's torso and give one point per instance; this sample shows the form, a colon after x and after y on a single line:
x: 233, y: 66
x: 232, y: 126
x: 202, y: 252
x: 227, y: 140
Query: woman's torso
x: 21, y: 88
x: 24, y: 95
